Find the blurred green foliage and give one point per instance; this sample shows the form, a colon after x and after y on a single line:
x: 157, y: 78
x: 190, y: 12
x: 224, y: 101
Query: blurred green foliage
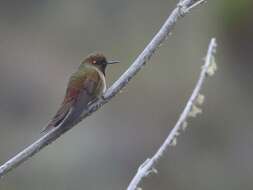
x: 235, y: 12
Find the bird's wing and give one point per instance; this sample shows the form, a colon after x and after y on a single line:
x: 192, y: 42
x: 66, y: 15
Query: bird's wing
x: 80, y: 91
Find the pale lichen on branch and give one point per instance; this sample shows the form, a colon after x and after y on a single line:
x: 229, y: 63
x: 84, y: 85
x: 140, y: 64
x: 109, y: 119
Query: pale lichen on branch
x: 192, y: 109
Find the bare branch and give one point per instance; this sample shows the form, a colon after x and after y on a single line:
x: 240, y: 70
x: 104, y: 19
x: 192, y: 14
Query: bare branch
x: 194, y: 5
x: 140, y: 61
x: 190, y: 110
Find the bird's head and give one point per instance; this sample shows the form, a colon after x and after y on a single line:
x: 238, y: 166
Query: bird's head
x: 98, y: 60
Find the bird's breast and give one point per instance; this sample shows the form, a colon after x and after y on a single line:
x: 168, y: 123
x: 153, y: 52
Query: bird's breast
x: 103, y: 82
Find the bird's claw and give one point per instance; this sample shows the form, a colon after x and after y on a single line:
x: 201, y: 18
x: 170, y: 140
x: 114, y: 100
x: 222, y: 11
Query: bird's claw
x: 103, y: 97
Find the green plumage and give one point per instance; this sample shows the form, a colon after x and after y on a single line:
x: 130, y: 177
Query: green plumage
x: 85, y: 85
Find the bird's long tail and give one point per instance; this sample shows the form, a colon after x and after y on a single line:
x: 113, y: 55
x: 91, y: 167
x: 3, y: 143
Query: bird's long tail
x: 56, y: 121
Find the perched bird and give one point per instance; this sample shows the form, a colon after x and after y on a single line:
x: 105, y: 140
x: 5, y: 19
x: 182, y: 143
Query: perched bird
x: 86, y: 85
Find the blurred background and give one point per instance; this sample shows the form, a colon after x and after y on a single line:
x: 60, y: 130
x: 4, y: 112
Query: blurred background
x: 43, y: 42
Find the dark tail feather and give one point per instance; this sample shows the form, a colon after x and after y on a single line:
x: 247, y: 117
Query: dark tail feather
x: 47, y: 128
x: 57, y: 121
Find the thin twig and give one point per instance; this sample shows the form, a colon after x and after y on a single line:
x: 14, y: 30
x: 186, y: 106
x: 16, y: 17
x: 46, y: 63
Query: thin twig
x: 190, y: 110
x: 194, y: 5
x: 140, y: 61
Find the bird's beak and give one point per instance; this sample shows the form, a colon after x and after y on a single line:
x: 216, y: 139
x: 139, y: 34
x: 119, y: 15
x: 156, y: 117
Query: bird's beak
x: 112, y: 62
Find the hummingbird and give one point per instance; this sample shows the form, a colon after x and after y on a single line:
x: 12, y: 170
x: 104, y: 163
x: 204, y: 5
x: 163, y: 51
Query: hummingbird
x: 85, y: 86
